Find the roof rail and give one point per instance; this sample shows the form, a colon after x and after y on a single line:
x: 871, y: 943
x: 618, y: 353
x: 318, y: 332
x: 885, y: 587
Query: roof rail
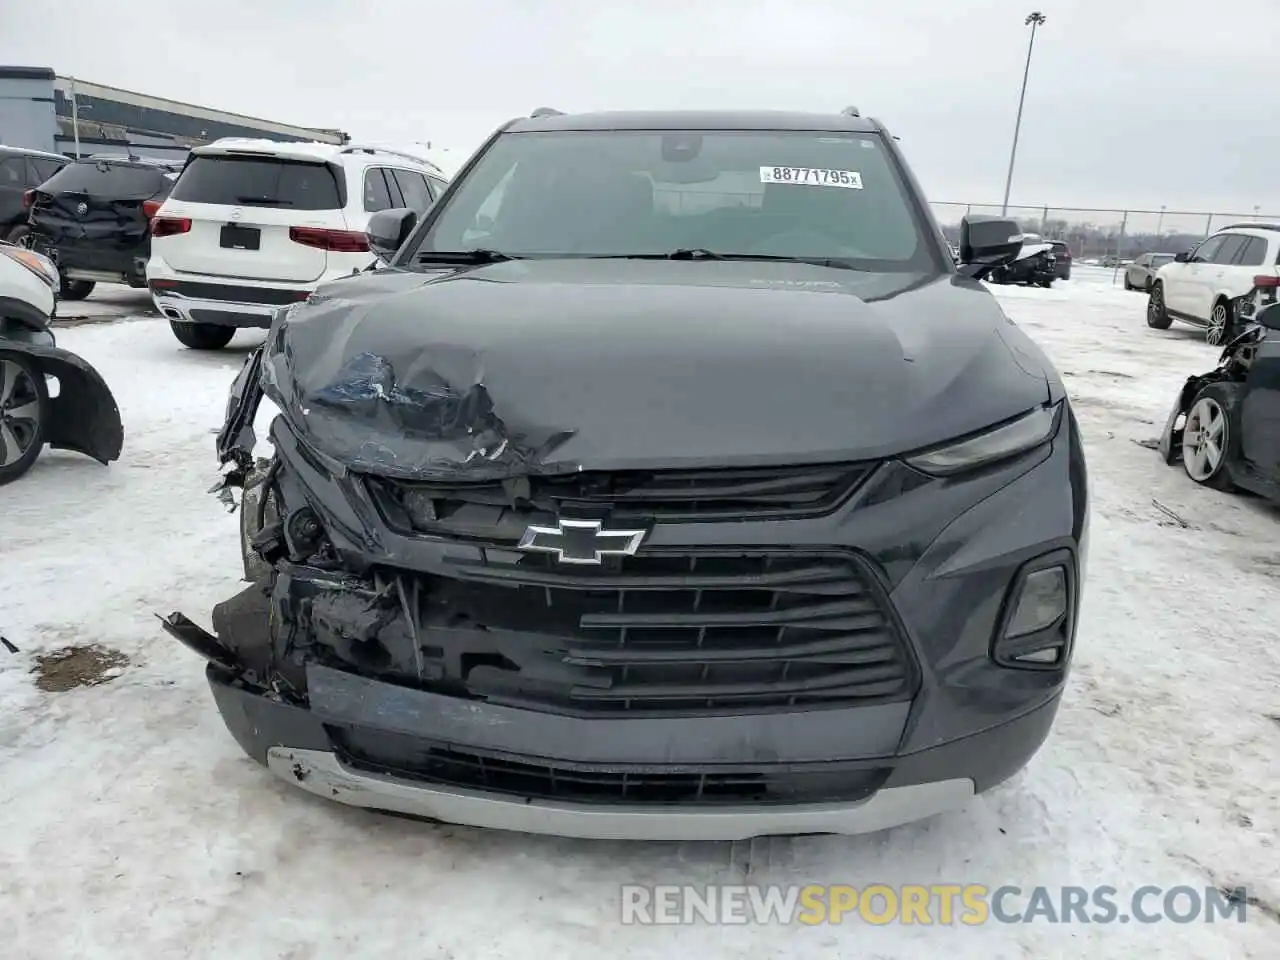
x: 391, y: 152
x: 850, y: 112
x: 1251, y: 225
x: 547, y: 112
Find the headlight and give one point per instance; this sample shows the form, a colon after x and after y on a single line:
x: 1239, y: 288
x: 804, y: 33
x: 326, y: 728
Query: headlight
x: 41, y: 266
x: 1007, y: 440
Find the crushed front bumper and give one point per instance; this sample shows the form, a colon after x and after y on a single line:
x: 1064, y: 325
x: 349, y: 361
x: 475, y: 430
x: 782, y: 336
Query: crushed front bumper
x: 305, y: 747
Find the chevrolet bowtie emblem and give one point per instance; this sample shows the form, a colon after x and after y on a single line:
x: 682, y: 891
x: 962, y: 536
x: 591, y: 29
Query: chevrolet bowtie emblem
x: 581, y: 541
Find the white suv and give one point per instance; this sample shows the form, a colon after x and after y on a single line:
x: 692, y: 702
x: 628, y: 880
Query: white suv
x: 1207, y: 286
x: 252, y: 225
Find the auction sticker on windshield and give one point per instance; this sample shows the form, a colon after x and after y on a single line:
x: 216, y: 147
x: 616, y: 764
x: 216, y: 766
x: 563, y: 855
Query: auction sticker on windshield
x: 813, y: 176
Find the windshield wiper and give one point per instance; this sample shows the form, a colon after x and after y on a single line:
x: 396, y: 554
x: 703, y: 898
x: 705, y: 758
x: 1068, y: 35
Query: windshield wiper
x: 265, y: 201
x: 464, y: 256
x: 702, y: 253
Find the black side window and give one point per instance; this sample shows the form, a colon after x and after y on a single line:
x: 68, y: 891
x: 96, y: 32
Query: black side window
x: 1231, y: 245
x: 43, y: 169
x: 376, y: 195
x: 413, y: 187
x: 13, y: 173
x: 1252, y: 253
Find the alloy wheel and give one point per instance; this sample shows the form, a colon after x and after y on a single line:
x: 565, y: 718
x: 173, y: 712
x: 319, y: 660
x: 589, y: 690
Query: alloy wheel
x: 1155, y: 305
x: 1216, y: 332
x: 1203, y: 439
x: 19, y: 412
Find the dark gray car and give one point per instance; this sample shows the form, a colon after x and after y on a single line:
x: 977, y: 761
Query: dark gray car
x: 670, y: 481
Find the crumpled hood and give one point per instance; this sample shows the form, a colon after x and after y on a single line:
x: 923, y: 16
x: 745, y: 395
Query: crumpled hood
x: 554, y: 366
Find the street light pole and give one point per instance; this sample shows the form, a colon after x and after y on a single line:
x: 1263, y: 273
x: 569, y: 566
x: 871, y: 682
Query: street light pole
x: 75, y: 117
x: 1034, y: 19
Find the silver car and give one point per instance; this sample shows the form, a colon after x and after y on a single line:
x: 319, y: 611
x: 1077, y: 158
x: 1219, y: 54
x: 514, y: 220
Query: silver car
x: 1140, y: 274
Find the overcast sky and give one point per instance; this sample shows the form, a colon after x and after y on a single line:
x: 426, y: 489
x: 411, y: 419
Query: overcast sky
x: 1137, y: 103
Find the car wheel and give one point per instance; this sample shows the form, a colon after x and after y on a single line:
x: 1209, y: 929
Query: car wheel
x: 1147, y: 285
x: 18, y: 235
x: 1157, y: 316
x: 1209, y: 436
x: 76, y: 289
x: 1127, y: 284
x: 202, y: 336
x: 24, y: 405
x: 1221, y: 324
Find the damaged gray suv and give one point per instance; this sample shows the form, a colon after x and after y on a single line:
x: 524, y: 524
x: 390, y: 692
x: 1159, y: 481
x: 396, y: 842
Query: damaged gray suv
x: 668, y: 479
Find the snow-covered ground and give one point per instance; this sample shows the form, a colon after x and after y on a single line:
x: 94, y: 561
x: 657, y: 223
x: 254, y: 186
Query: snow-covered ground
x: 132, y: 826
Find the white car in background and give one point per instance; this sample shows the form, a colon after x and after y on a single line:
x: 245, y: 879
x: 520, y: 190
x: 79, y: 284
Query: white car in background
x: 253, y: 225
x: 1207, y: 286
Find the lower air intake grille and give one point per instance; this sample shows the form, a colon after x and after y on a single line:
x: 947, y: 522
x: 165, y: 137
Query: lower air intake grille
x: 398, y: 755
x: 680, y: 632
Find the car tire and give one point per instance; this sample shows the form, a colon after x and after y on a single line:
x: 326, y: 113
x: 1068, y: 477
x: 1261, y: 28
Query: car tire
x: 24, y: 411
x: 1222, y: 324
x: 1157, y: 316
x: 18, y: 234
x: 1211, y: 435
x: 202, y: 336
x: 76, y: 289
x: 1127, y: 284
x: 1147, y: 285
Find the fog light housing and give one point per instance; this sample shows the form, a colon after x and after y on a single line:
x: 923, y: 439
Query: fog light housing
x: 1037, y: 627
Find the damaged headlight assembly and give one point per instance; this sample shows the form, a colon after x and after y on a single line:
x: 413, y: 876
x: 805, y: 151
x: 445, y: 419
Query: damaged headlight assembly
x: 1008, y: 440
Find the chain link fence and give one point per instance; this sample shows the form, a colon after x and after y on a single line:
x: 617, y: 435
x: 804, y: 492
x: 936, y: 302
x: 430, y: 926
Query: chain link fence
x: 1099, y: 233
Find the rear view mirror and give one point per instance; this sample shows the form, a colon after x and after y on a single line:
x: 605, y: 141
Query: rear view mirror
x: 388, y: 230
x: 1182, y: 257
x: 988, y: 242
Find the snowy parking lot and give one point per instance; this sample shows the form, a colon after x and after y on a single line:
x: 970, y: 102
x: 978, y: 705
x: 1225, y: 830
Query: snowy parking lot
x: 131, y: 825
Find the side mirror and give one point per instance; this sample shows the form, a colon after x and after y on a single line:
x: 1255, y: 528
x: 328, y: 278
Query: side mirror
x: 1182, y: 257
x: 988, y: 242
x: 388, y: 229
x: 1269, y: 317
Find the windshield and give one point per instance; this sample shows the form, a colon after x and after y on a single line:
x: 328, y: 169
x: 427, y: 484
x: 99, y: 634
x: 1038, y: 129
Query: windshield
x: 804, y: 195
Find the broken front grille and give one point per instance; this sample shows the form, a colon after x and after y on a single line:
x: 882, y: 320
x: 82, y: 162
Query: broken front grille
x: 669, y: 496
x: 669, y: 632
x: 444, y: 765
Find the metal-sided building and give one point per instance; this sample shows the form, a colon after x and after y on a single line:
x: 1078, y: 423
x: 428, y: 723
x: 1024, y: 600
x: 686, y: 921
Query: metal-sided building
x: 43, y: 111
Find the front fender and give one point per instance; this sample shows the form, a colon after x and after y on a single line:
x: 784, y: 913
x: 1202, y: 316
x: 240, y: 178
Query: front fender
x: 84, y: 416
